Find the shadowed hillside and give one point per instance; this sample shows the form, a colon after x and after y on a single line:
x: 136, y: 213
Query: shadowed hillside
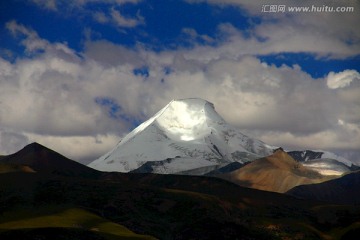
x: 344, y: 190
x: 8, y: 167
x: 164, y: 206
x: 41, y: 159
x: 61, y: 223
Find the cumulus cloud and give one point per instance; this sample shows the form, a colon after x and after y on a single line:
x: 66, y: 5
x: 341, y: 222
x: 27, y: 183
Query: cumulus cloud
x: 122, y: 21
x: 82, y: 105
x: 54, y: 94
x: 342, y: 79
x: 326, y: 34
x: 110, y: 54
x: 31, y: 40
x: 80, y: 7
x: 265, y: 97
x: 115, y: 17
x: 54, y: 4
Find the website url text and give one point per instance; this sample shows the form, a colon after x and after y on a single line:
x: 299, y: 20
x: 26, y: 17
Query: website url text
x: 283, y: 8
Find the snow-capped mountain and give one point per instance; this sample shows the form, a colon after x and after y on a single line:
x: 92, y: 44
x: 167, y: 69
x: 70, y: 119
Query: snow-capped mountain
x: 186, y: 134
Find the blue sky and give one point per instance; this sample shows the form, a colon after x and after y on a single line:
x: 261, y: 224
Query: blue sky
x: 86, y: 72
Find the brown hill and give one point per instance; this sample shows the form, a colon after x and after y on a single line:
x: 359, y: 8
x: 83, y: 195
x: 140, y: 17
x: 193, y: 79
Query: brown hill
x: 42, y: 159
x: 278, y: 172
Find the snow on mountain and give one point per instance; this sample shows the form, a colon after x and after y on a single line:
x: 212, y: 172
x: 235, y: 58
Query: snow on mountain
x: 309, y: 155
x: 186, y: 134
x: 327, y: 166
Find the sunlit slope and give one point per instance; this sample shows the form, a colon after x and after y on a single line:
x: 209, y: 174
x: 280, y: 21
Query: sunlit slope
x: 278, y: 172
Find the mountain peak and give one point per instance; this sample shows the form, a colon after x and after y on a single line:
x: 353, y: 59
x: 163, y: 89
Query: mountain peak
x: 182, y: 120
x: 187, y: 119
x: 42, y: 159
x: 191, y: 101
x: 185, y: 134
x: 34, y: 146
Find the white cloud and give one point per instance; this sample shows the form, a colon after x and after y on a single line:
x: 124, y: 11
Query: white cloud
x: 32, y: 42
x: 110, y: 54
x: 80, y: 8
x: 100, y: 17
x: 50, y: 97
x: 194, y: 36
x: 118, y: 19
x: 54, y: 4
x: 266, y: 97
x: 122, y: 21
x: 342, y: 79
x: 327, y: 34
x: 47, y: 4
x: 329, y: 140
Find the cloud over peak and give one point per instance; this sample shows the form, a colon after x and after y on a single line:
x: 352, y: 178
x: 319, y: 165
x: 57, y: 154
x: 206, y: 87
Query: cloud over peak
x: 89, y: 97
